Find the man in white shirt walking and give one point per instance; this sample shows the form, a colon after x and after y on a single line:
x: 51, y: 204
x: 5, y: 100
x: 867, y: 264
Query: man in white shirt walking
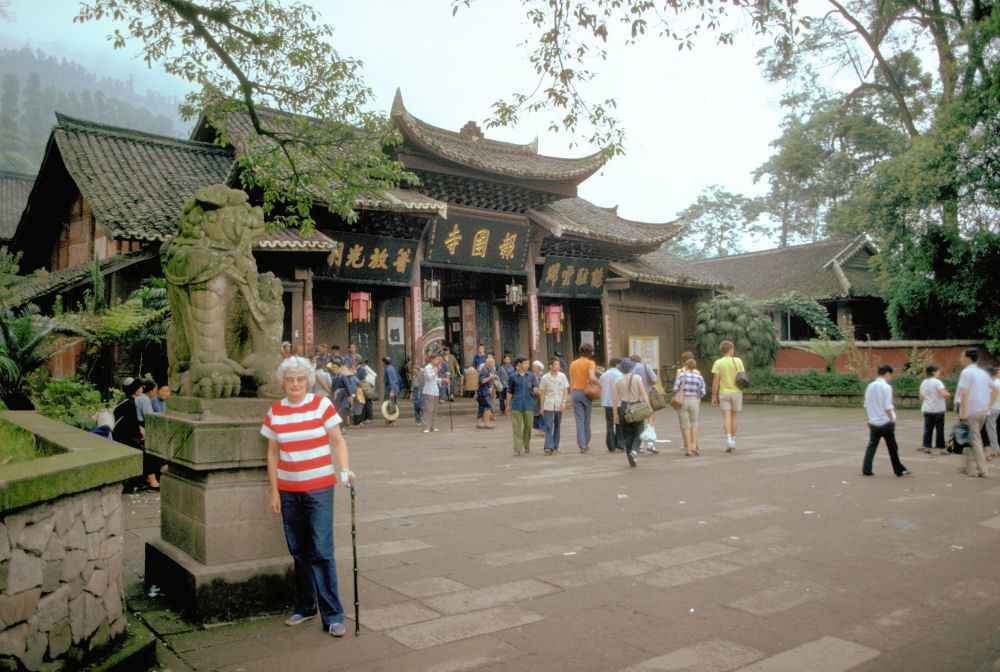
x: 973, y: 396
x: 881, y: 422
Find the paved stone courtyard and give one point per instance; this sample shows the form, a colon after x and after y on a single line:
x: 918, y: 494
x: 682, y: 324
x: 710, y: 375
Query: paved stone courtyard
x: 780, y: 557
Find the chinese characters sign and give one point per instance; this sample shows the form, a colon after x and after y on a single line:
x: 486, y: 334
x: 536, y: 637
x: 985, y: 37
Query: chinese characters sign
x: 567, y: 276
x: 469, y: 241
x: 372, y: 258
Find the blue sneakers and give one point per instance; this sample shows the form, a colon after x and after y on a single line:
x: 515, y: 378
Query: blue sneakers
x: 297, y: 618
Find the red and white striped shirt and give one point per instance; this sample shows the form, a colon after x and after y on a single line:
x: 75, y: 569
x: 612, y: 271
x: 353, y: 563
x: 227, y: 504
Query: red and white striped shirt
x: 304, y: 456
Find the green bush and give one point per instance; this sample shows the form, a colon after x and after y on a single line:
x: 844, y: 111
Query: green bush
x: 814, y: 380
x: 69, y: 400
x: 730, y: 317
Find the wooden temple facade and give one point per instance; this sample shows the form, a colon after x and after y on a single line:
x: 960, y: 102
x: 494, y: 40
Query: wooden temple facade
x: 488, y: 221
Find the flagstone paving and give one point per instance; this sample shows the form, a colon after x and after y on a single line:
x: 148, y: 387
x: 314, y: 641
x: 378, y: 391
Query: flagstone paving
x: 778, y: 557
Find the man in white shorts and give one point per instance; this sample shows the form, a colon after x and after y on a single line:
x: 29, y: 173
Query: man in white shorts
x: 725, y: 394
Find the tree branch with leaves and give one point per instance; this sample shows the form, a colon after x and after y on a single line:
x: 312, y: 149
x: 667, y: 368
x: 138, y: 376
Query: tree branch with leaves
x: 268, y: 62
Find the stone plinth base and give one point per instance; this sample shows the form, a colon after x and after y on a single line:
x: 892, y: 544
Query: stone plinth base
x: 228, y: 590
x: 221, y: 551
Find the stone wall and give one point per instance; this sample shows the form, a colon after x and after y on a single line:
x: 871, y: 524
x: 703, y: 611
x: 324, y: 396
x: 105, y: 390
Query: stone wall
x: 61, y: 575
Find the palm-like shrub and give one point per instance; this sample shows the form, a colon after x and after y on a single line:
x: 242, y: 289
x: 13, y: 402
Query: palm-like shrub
x: 825, y: 348
x: 730, y: 317
x: 25, y: 337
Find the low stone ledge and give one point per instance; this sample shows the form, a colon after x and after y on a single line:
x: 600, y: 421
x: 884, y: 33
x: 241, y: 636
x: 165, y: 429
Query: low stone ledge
x: 815, y: 398
x: 81, y: 461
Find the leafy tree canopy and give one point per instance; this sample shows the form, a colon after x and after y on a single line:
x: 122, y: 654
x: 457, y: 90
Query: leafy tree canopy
x: 716, y: 224
x: 269, y: 60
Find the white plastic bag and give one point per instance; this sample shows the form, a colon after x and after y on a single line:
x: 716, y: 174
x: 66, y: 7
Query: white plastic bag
x: 648, y: 435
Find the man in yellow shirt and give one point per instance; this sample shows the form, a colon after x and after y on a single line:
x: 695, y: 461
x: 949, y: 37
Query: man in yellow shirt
x: 725, y: 394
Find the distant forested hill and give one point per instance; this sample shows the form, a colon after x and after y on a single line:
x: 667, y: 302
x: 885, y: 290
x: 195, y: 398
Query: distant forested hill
x: 34, y: 85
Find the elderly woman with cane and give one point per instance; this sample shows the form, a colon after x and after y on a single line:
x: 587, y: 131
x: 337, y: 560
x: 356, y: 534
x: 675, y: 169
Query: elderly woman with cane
x: 303, y: 434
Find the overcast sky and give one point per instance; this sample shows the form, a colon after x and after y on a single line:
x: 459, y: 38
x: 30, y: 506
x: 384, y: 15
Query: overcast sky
x: 693, y: 118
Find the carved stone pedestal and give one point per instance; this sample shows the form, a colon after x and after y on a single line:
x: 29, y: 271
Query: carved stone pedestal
x: 221, y: 551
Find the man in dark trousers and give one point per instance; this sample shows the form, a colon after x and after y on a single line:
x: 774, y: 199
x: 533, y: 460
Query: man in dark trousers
x: 391, y: 382
x: 881, y: 422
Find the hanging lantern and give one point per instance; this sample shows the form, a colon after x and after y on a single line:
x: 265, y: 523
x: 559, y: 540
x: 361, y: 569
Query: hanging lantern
x: 553, y: 319
x: 432, y: 290
x: 360, y: 305
x: 515, y: 294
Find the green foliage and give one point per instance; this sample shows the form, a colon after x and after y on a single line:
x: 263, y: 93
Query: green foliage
x: 136, y: 328
x: 716, y: 222
x: 825, y: 348
x: 768, y: 380
x: 25, y: 337
x: 270, y: 62
x: 72, y: 400
x: 17, y: 445
x: 433, y: 316
x: 810, y: 311
x: 945, y: 286
x: 730, y: 317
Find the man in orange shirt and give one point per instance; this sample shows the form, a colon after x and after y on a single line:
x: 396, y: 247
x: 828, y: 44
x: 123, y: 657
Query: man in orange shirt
x: 581, y: 370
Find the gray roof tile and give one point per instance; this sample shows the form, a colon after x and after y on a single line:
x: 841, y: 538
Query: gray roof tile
x: 14, y: 191
x: 809, y: 268
x: 582, y: 218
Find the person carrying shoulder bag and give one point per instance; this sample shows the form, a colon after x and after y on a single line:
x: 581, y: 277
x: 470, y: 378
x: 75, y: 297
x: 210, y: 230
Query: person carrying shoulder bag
x: 628, y: 390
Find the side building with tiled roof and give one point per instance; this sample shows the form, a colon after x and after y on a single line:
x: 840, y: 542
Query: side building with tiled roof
x: 836, y: 273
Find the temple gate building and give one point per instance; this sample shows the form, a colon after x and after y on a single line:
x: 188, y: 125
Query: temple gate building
x: 495, y: 233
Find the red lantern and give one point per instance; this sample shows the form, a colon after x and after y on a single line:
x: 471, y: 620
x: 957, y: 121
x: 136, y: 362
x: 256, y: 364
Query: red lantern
x: 360, y: 303
x: 553, y: 319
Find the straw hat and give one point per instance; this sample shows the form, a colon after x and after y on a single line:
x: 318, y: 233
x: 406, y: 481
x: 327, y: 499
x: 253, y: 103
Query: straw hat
x: 390, y: 416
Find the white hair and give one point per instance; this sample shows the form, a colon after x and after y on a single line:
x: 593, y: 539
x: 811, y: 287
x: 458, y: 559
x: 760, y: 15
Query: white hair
x: 295, y: 364
x: 105, y: 418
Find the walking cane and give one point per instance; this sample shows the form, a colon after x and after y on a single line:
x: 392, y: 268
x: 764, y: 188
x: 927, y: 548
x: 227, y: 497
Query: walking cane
x: 354, y: 550
x: 451, y: 420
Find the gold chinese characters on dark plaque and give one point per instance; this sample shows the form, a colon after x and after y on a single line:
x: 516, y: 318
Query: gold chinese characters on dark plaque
x: 374, y: 258
x: 470, y: 241
x: 567, y: 276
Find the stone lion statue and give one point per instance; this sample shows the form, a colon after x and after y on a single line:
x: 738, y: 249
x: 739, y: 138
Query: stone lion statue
x: 227, y: 317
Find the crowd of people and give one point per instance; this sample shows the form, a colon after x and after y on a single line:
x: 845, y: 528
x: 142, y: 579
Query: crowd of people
x: 535, y: 395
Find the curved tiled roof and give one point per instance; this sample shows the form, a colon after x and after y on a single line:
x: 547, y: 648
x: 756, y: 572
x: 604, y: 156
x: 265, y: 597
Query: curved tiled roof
x: 470, y: 149
x: 14, y: 191
x: 829, y: 269
x: 663, y: 268
x: 580, y: 217
x: 137, y: 183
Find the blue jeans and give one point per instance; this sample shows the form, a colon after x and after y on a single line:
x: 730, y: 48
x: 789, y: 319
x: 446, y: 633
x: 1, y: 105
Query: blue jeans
x: 418, y: 404
x: 581, y: 412
x: 552, y: 420
x: 308, y: 519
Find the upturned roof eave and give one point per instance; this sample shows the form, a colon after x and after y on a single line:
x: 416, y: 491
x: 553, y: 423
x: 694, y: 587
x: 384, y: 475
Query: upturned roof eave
x: 564, y: 227
x: 410, y: 127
